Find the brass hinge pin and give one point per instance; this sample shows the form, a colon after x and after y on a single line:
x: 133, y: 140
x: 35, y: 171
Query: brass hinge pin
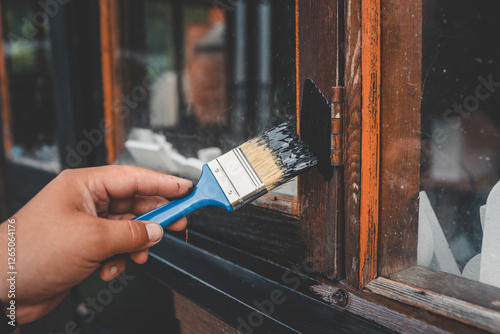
x: 337, y: 139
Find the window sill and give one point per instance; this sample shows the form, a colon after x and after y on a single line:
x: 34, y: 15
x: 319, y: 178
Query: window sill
x: 280, y: 303
x: 459, y: 298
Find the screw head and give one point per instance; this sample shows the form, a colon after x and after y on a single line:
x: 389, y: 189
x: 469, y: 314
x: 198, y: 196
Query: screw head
x: 230, y: 192
x: 217, y: 170
x: 339, y: 298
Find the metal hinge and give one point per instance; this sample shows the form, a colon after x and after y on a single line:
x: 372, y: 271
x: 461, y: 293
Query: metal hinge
x: 337, y: 145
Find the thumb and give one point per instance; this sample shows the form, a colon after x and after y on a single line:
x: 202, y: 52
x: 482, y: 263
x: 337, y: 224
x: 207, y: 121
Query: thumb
x: 128, y: 236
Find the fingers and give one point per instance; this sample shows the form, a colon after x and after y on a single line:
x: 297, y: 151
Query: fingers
x: 140, y: 257
x: 126, y: 236
x: 178, y: 225
x: 143, y: 204
x: 112, y: 268
x: 127, y: 181
x: 136, y: 204
x: 124, y: 216
x: 129, y: 236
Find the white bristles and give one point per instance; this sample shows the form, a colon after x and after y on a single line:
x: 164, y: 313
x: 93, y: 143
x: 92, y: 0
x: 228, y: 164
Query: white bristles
x: 264, y: 161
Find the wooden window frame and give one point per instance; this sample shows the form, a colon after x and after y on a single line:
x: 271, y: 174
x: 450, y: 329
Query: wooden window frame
x: 378, y: 96
x: 357, y: 208
x: 381, y: 285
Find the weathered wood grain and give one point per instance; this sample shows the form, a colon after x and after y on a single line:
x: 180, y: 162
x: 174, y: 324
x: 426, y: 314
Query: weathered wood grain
x: 441, y: 304
x: 320, y: 198
x: 451, y: 285
x: 400, y: 135
x: 370, y: 139
x: 352, y: 159
x: 256, y: 230
x: 378, y: 313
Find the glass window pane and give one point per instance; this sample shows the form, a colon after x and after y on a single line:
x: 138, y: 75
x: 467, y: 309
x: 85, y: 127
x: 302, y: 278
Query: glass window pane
x: 460, y: 159
x: 200, y: 79
x: 27, y: 51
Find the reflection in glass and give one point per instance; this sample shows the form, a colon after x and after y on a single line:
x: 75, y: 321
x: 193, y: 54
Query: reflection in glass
x: 460, y: 128
x: 27, y: 51
x: 215, y: 78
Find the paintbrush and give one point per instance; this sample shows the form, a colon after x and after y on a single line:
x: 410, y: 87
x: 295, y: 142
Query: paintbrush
x: 242, y: 175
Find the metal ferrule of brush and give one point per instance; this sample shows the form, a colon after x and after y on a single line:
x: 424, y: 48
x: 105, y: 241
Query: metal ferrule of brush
x: 237, y: 178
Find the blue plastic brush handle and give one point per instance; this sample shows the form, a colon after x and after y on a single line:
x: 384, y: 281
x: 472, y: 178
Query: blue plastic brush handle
x: 206, y: 193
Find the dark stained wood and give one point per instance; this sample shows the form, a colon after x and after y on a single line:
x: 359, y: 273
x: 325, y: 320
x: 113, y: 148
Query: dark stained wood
x: 75, y: 89
x: 400, y: 135
x: 451, y: 285
x: 447, y: 306
x: 352, y: 145
x: 265, y: 233
x: 321, y: 200
x: 194, y: 319
x: 288, y: 206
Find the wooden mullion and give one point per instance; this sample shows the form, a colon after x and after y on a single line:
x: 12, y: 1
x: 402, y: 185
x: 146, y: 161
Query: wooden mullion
x: 362, y: 50
x: 400, y: 135
x: 321, y: 200
x: 109, y: 17
x: 352, y: 142
x: 370, y: 139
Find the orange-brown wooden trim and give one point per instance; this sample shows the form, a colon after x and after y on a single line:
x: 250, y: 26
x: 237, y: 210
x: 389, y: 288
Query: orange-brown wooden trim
x: 370, y: 143
x: 109, y: 52
x: 5, y: 94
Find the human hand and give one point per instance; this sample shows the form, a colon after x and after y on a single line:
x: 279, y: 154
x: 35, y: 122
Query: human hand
x: 76, y: 222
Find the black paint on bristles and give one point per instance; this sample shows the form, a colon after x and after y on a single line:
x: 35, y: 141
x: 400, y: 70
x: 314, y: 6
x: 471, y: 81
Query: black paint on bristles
x: 278, y: 155
x: 316, y: 126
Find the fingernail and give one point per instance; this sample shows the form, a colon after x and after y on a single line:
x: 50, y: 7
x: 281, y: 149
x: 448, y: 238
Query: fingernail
x: 112, y: 271
x: 155, y: 232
